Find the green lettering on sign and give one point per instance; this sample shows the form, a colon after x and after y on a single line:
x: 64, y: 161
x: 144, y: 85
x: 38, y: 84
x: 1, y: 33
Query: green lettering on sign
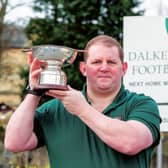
x: 166, y: 21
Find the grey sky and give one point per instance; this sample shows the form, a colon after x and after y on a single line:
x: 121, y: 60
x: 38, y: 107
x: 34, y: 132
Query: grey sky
x: 22, y: 14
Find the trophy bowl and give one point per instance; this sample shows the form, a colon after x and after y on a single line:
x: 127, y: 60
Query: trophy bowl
x: 56, y: 57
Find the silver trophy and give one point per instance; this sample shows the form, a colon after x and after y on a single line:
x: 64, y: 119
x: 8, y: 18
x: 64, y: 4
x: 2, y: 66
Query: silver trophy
x: 56, y: 57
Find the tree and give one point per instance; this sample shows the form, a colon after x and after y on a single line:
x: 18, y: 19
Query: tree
x: 7, y: 30
x: 73, y: 23
x: 3, y: 6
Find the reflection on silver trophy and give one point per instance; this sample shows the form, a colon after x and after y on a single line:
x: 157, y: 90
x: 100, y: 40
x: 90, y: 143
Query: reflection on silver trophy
x: 52, y: 75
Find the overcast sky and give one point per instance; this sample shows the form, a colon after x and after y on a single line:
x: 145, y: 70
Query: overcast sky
x: 155, y: 7
x: 22, y: 14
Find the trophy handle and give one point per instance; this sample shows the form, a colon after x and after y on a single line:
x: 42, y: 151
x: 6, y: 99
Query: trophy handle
x: 72, y: 58
x: 82, y: 51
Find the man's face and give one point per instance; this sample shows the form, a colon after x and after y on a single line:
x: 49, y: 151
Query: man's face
x: 103, y: 68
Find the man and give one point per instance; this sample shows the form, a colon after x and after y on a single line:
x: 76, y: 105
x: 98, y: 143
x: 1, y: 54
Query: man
x: 104, y: 126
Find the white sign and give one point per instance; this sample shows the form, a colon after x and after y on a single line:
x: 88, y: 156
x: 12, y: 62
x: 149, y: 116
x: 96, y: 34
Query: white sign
x: 146, y: 51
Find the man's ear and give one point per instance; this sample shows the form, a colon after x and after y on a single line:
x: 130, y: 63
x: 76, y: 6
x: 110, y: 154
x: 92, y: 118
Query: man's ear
x: 83, y: 68
x: 125, y: 67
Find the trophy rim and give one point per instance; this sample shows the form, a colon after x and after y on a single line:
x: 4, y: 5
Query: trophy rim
x: 68, y: 54
x: 52, y: 52
x: 35, y: 46
x: 59, y: 46
x: 52, y: 45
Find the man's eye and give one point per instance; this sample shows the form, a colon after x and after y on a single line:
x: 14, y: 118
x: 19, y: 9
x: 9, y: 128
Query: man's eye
x: 111, y: 62
x: 96, y: 62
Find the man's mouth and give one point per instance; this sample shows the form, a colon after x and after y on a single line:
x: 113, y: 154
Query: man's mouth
x: 103, y: 76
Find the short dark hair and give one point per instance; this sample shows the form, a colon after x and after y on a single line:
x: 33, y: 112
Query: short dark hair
x: 107, y: 41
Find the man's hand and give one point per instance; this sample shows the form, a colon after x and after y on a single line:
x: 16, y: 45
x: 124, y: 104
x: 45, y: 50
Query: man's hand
x: 36, y: 67
x: 72, y: 99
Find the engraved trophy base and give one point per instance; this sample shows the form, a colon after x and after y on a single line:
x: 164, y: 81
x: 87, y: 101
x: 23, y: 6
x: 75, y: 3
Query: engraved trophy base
x: 52, y: 77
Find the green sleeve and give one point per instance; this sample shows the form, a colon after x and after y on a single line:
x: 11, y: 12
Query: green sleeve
x: 43, y: 116
x: 146, y: 111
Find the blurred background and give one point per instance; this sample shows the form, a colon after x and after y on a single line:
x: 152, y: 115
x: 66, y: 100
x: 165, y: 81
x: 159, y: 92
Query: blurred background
x: 61, y: 22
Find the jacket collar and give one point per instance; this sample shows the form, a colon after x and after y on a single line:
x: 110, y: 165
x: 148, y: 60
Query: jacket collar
x: 118, y: 100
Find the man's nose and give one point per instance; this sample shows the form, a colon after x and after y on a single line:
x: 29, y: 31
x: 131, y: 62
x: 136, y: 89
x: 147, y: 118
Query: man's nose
x: 104, y: 66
